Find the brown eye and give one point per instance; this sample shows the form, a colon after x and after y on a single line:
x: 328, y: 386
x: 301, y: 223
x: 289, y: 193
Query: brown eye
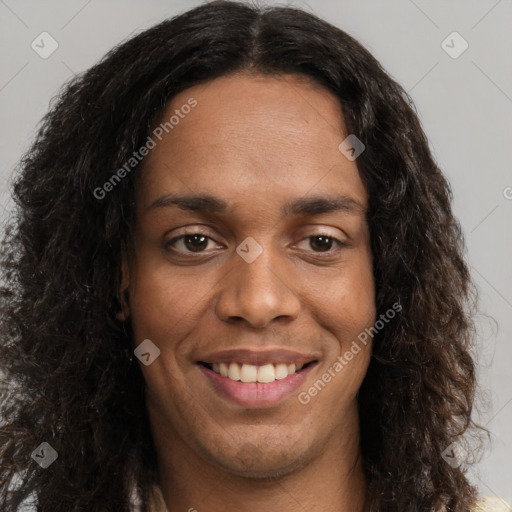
x: 193, y: 242
x: 321, y: 242
x: 324, y: 244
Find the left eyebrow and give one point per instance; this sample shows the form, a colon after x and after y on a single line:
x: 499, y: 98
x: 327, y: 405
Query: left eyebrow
x: 317, y: 205
x: 313, y: 205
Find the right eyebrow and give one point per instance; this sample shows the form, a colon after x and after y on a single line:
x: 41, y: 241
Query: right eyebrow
x: 197, y: 203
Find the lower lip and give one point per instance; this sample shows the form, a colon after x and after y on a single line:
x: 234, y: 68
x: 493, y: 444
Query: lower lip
x: 256, y: 394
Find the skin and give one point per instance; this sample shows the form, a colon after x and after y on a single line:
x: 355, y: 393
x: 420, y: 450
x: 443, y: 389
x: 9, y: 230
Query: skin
x: 256, y: 142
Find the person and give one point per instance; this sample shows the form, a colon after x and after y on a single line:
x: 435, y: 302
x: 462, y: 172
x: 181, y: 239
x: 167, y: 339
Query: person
x: 233, y: 280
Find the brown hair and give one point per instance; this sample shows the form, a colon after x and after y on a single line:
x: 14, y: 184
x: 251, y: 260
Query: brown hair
x: 71, y: 379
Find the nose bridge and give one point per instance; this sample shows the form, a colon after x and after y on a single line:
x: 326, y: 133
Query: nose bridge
x: 257, y: 287
x: 260, y: 273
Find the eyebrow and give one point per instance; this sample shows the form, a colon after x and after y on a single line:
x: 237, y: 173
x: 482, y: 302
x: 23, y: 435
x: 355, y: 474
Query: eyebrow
x: 312, y: 205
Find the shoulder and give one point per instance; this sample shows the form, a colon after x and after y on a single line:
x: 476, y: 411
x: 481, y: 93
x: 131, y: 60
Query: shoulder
x: 485, y: 503
x: 157, y: 503
x: 492, y: 504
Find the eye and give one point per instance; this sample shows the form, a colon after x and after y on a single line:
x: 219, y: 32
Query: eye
x: 190, y: 242
x: 198, y: 242
x: 323, y: 243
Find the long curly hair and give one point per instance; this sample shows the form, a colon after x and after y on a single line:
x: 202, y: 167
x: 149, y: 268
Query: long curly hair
x: 70, y: 378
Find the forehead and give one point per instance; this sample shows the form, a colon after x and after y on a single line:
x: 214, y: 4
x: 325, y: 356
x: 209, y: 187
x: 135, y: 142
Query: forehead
x: 251, y: 134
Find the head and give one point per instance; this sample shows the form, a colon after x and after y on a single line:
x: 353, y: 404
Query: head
x: 292, y: 245
x: 257, y: 143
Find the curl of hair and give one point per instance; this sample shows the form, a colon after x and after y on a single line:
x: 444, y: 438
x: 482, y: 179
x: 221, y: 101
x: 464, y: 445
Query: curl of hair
x: 70, y: 378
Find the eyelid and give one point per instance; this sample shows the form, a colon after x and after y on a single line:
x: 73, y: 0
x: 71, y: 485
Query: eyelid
x: 340, y: 244
x: 196, y: 231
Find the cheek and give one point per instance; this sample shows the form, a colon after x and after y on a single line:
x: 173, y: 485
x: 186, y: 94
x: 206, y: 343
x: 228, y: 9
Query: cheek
x: 346, y: 310
x: 345, y: 303
x: 162, y: 305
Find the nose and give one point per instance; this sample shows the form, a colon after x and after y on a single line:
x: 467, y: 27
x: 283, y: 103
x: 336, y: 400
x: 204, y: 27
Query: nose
x: 257, y: 292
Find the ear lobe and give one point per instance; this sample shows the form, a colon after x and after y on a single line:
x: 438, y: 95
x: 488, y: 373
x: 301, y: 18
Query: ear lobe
x: 123, y: 295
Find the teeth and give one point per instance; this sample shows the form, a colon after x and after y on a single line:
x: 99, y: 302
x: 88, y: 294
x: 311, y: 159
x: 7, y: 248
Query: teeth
x: 266, y: 373
x: 249, y: 373
x: 281, y: 371
x: 252, y: 373
x: 234, y: 371
x: 224, y: 370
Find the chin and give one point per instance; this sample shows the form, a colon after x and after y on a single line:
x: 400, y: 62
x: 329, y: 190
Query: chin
x: 253, y: 462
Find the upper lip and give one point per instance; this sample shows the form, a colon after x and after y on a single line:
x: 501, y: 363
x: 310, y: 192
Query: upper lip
x: 258, y: 357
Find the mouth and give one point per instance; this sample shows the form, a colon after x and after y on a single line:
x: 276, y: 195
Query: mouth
x: 255, y: 386
x: 250, y: 373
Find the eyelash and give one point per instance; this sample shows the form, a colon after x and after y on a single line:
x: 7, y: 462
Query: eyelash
x: 340, y: 245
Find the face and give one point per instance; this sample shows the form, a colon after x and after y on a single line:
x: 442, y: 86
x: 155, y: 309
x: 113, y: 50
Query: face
x: 269, y: 270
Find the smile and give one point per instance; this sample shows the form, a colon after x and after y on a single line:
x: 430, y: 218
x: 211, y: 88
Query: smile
x: 243, y: 387
x: 248, y: 373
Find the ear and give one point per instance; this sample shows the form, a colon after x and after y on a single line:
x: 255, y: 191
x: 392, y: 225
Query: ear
x: 123, y: 295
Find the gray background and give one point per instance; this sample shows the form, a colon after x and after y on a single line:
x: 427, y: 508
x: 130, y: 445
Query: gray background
x: 464, y: 103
